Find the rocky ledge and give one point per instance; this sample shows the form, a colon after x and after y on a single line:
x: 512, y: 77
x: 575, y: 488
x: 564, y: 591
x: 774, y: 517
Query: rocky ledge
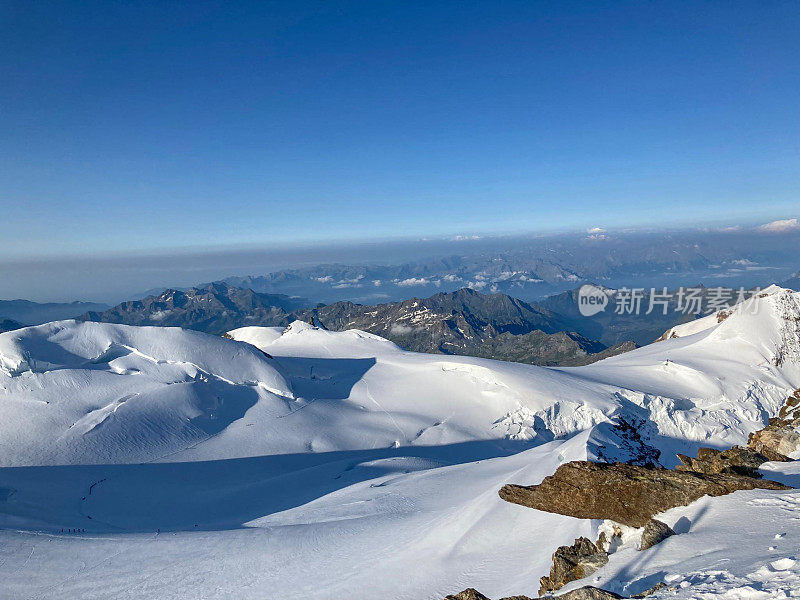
x: 625, y: 493
x: 781, y: 437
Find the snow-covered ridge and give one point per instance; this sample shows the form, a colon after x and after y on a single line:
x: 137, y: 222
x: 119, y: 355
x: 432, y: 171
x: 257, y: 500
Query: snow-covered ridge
x: 94, y: 392
x: 713, y: 383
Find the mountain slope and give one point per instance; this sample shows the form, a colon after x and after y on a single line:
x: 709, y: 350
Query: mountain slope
x: 9, y: 325
x: 35, y: 313
x: 214, y: 308
x: 73, y: 392
x: 793, y: 282
x: 467, y: 323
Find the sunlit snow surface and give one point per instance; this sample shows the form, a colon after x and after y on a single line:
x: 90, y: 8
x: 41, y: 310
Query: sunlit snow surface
x: 312, y: 464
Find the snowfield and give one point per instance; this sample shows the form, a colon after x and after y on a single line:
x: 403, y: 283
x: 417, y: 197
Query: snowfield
x: 147, y: 462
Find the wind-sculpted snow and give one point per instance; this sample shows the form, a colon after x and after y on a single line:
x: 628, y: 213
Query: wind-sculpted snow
x: 314, y: 464
x: 73, y: 392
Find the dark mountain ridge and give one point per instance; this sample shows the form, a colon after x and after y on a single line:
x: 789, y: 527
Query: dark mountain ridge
x: 463, y: 322
x: 214, y: 308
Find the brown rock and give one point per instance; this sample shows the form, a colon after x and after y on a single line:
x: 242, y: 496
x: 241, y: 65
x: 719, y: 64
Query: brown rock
x: 656, y: 588
x: 627, y: 494
x: 782, y: 436
x: 736, y: 460
x: 468, y: 594
x: 654, y: 533
x: 571, y: 563
x: 589, y: 593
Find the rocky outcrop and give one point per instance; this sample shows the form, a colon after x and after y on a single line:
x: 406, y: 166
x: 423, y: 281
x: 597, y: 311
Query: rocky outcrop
x: 571, y: 563
x: 654, y: 533
x: 736, y: 460
x: 627, y: 494
x: 781, y: 436
x: 467, y: 594
x: 586, y: 592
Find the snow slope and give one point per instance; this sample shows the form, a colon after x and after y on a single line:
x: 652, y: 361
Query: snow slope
x: 322, y: 464
x: 74, y: 392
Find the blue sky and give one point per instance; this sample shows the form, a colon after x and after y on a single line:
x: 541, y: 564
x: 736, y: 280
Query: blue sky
x: 131, y: 127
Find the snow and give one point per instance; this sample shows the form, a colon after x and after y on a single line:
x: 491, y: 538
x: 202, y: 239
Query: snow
x: 304, y: 463
x: 725, y: 549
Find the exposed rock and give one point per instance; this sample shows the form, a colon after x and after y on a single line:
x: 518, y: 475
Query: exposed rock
x: 782, y: 436
x: 573, y: 562
x: 656, y: 588
x: 627, y: 494
x: 736, y: 460
x: 467, y: 594
x: 584, y: 593
x: 588, y: 592
x: 654, y: 533
x: 628, y: 436
x: 466, y: 322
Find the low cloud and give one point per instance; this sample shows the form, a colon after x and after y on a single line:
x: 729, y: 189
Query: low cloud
x: 400, y: 329
x: 780, y: 226
x: 412, y: 281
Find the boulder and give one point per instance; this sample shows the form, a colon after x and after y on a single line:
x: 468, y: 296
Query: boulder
x: 573, y: 562
x: 627, y: 494
x: 654, y: 533
x: 468, y: 594
x: 656, y: 588
x: 736, y: 460
x: 781, y: 436
x: 588, y: 592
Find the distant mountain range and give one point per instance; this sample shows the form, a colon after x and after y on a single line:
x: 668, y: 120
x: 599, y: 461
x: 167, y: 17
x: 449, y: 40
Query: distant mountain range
x: 35, y: 313
x: 611, y: 328
x: 793, y: 283
x: 533, y: 268
x: 213, y: 308
x: 463, y: 322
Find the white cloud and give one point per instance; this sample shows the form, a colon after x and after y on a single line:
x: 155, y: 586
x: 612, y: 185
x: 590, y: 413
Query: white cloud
x: 412, y: 281
x: 463, y: 238
x: 594, y: 230
x: 780, y: 226
x: 400, y: 329
x: 376, y: 282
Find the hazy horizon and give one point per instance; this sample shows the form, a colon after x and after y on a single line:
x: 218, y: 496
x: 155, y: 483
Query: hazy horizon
x: 111, y: 279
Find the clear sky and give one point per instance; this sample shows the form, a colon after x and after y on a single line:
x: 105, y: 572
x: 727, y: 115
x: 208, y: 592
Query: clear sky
x: 133, y: 126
